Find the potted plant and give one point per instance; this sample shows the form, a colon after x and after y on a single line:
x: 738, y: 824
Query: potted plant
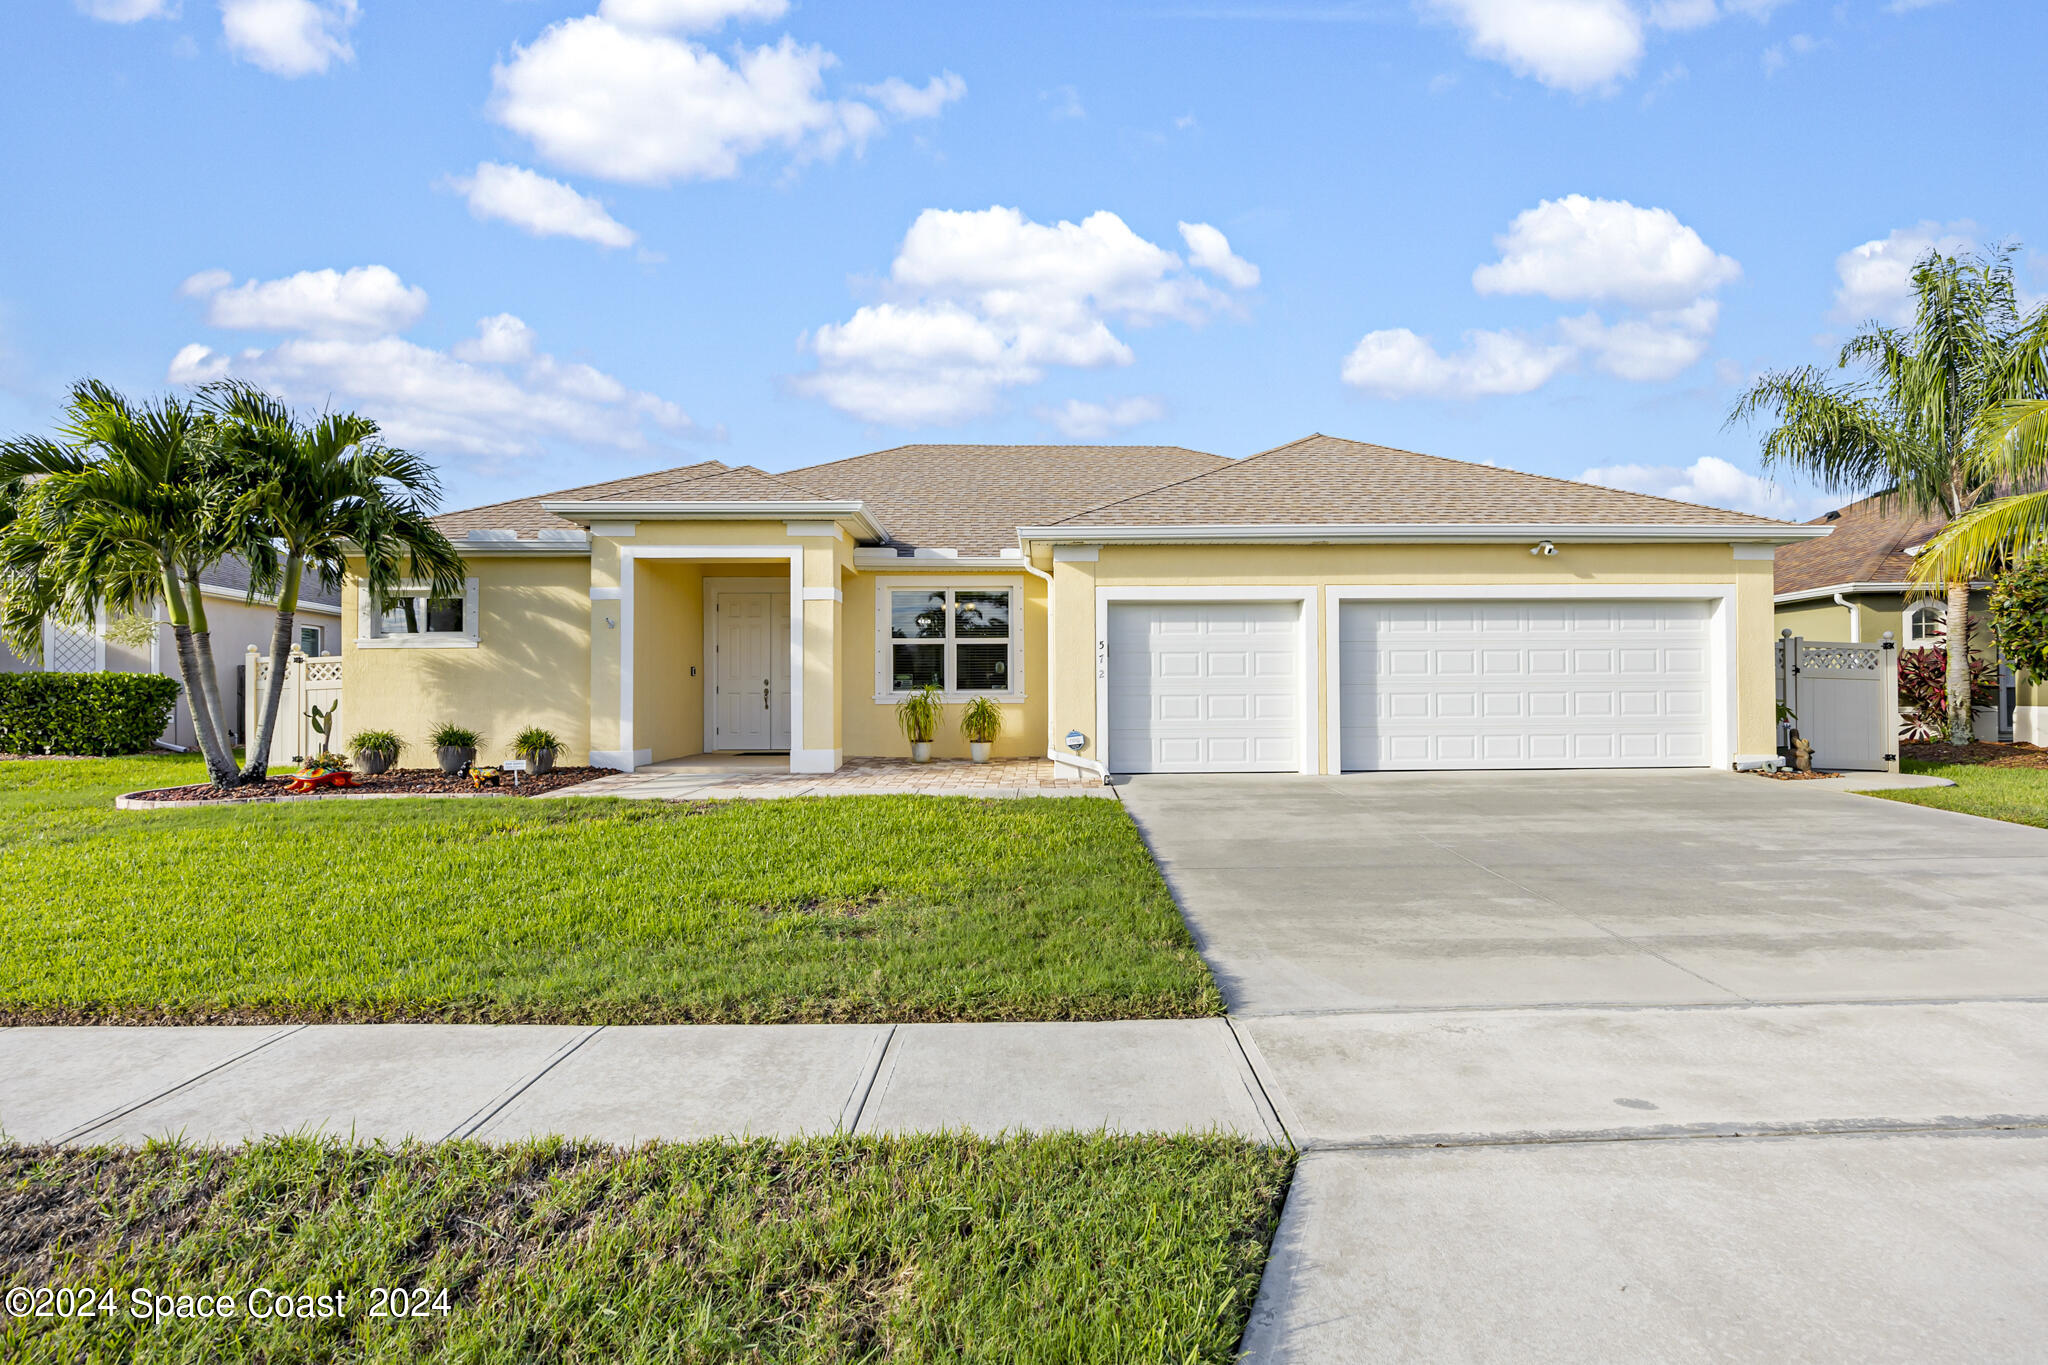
x: 455, y: 746
x: 917, y: 715
x: 981, y: 722
x: 376, y: 750
x: 537, y: 746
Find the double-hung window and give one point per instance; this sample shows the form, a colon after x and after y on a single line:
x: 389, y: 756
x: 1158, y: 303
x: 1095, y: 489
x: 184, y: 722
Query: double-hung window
x: 957, y: 639
x: 411, y: 614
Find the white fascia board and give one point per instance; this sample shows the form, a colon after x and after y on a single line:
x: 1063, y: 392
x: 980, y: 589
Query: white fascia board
x: 866, y: 528
x: 1421, y: 533
x: 884, y: 559
x: 1811, y: 594
x: 488, y: 549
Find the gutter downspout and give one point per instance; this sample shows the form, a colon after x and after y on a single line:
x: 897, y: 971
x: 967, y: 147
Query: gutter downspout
x: 1855, y: 619
x: 1052, y: 752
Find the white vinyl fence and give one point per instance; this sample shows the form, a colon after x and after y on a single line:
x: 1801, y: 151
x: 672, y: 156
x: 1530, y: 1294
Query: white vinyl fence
x: 1844, y: 698
x: 309, y: 681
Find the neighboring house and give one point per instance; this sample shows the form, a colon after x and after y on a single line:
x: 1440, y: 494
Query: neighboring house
x: 1852, y: 585
x: 1326, y: 605
x: 236, y: 623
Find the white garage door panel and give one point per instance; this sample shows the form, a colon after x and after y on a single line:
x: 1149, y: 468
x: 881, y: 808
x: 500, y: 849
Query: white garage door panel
x: 1204, y: 687
x: 1580, y: 684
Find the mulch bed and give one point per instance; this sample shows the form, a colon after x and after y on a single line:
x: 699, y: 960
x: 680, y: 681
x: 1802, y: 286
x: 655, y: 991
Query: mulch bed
x: 397, y: 782
x: 1986, y: 755
x: 1790, y: 775
x: 39, y: 758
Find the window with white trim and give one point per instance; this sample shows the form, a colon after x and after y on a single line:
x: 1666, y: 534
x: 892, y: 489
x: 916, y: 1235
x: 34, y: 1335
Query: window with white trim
x: 1926, y: 622
x: 958, y: 639
x: 312, y: 640
x: 412, y: 614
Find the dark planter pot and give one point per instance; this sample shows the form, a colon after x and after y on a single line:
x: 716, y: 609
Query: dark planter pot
x: 374, y: 761
x: 543, y: 761
x: 454, y: 760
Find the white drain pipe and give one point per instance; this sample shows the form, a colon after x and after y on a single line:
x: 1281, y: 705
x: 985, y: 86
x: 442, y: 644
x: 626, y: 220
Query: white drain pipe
x: 1855, y: 619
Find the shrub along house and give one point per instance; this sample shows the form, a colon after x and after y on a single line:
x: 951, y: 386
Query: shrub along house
x: 1853, y: 585
x: 1323, y: 606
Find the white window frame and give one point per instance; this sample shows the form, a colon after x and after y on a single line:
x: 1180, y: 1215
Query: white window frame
x: 885, y: 672
x: 319, y: 636
x: 368, y: 621
x: 1915, y: 614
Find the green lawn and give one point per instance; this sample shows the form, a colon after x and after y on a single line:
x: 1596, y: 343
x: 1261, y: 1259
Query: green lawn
x: 1056, y: 1249
x: 2016, y: 794
x: 851, y: 908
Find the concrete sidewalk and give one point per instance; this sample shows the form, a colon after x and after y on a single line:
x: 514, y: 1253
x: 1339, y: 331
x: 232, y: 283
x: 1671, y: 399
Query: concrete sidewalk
x: 624, y: 1085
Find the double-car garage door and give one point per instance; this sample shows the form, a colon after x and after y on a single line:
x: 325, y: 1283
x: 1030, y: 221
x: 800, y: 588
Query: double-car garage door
x: 1421, y: 684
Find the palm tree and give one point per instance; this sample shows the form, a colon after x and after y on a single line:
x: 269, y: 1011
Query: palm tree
x: 304, y: 497
x: 1923, y: 423
x: 2004, y: 531
x: 112, y: 515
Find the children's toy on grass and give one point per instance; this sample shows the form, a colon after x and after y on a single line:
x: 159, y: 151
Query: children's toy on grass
x: 322, y: 770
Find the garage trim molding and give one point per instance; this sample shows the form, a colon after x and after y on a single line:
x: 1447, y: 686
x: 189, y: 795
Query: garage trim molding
x: 1305, y: 641
x: 1721, y: 630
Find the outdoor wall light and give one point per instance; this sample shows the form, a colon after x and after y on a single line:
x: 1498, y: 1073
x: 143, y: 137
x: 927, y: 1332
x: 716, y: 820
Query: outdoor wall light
x: 1075, y: 740
x: 610, y: 624
x: 1543, y: 547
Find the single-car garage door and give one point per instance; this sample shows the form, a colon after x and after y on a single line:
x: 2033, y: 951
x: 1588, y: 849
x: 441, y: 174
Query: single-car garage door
x: 1504, y: 684
x: 1204, y: 687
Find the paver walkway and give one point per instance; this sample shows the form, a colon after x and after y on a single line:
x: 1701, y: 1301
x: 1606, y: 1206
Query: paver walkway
x: 721, y: 779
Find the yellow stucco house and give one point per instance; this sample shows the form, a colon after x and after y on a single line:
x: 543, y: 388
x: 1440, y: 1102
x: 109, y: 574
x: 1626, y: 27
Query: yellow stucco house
x: 1323, y: 606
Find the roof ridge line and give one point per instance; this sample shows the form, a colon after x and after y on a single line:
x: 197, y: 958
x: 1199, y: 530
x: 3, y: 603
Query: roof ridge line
x: 1175, y: 483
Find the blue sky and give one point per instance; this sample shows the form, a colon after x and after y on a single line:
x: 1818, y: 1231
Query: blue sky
x: 548, y: 243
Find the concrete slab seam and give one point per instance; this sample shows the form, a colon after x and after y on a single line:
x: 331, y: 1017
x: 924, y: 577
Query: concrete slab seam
x: 864, y: 1082
x: 103, y: 1120
x: 1634, y: 1006
x: 492, y: 1108
x: 878, y: 1083
x: 2035, y: 1124
x: 1266, y: 1094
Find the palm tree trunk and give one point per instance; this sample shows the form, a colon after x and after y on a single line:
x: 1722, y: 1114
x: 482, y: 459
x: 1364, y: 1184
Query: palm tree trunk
x: 256, y: 760
x: 1962, y: 720
x: 220, y: 759
x: 209, y: 683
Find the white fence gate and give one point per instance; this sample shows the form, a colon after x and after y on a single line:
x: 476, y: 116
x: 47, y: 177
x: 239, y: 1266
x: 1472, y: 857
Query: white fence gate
x: 309, y: 681
x: 1844, y: 699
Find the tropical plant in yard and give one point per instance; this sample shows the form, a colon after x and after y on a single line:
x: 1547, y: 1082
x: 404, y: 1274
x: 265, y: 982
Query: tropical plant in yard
x: 304, y: 496
x: 2019, y: 614
x: 1926, y: 422
x: 917, y: 715
x: 532, y: 740
x: 376, y: 742
x: 982, y: 720
x: 1923, y: 688
x: 2007, y: 529
x: 115, y: 513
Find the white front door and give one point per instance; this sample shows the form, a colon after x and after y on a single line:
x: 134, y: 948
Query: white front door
x: 750, y: 671
x: 1505, y: 684
x: 1205, y: 687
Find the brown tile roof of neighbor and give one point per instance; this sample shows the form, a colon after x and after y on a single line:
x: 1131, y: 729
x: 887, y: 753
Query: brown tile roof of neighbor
x: 525, y: 516
x: 1328, y: 480
x: 1869, y: 545
x: 973, y: 498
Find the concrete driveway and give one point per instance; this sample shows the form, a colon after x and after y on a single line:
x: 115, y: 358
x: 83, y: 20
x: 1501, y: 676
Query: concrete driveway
x: 1436, y: 890
x: 1631, y: 1066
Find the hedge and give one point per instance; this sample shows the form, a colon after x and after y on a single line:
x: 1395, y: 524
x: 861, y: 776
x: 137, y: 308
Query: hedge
x: 84, y: 713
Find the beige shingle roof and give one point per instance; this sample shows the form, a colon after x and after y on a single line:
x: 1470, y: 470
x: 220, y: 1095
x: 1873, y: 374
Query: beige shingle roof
x: 1868, y: 545
x: 1328, y: 480
x: 525, y: 515
x: 973, y: 498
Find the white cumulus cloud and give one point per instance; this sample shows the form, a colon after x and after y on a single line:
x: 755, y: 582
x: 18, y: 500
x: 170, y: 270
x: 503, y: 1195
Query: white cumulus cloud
x: 544, y: 207
x: 365, y: 300
x: 1604, y: 250
x: 1081, y: 421
x: 1712, y: 482
x: 1396, y: 363
x: 494, y: 395
x: 1643, y: 261
x: 690, y: 15
x: 1574, y: 45
x: 1209, y: 249
x: 983, y: 301
x: 126, y: 11
x: 626, y: 99
x: 289, y: 37
x: 1875, y: 280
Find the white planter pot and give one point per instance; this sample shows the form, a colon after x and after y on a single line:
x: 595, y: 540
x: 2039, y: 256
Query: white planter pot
x: 921, y: 751
x: 979, y: 749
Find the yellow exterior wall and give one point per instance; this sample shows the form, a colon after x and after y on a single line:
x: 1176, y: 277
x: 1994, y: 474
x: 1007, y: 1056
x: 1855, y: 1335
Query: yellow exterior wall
x: 531, y: 664
x: 1324, y: 566
x: 870, y: 725
x: 668, y: 699
x: 1821, y: 619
